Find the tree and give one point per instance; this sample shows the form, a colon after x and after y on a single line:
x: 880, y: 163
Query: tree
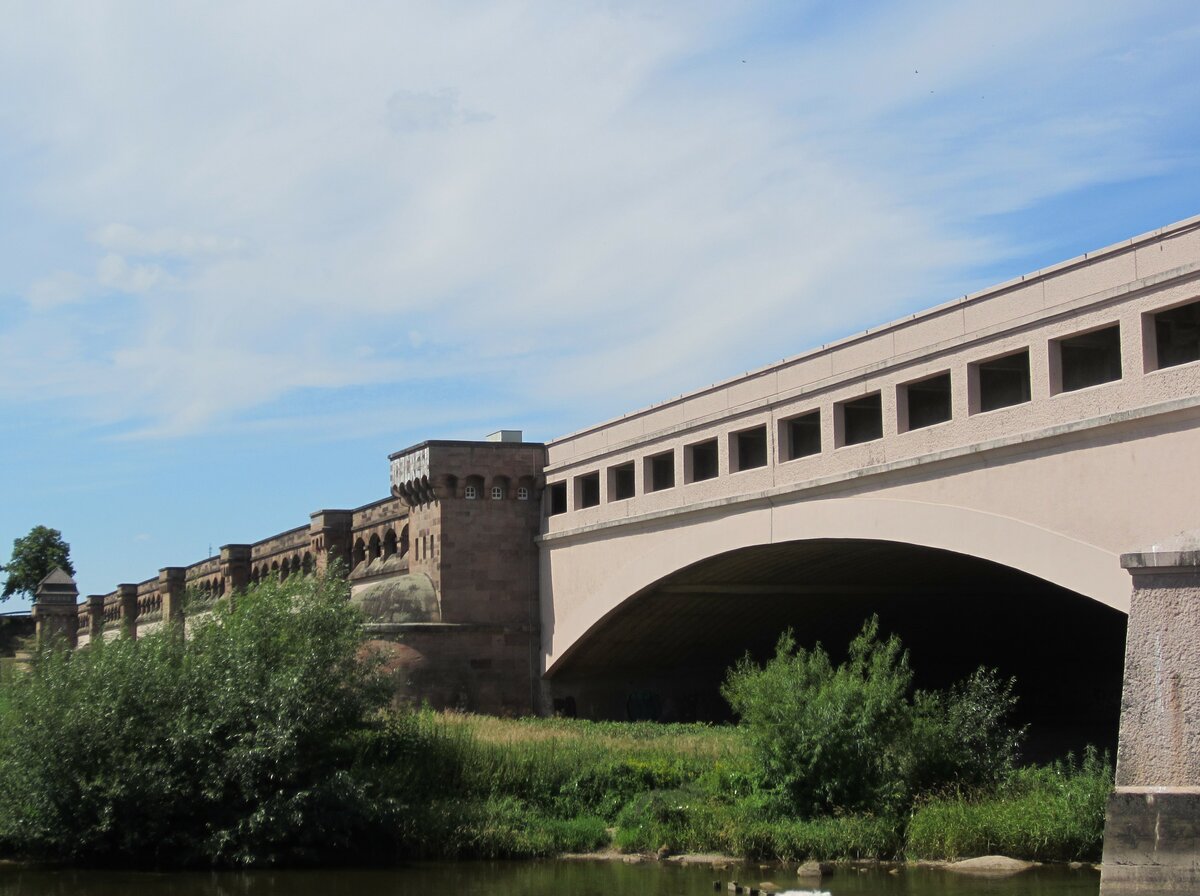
x: 246, y: 743
x: 33, y: 558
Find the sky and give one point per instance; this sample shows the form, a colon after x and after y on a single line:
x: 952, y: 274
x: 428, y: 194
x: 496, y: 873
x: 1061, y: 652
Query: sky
x: 248, y: 250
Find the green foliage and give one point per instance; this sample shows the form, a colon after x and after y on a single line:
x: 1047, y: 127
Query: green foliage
x: 854, y: 737
x: 960, y: 738
x: 33, y: 558
x: 259, y: 740
x: 830, y: 838
x: 1048, y: 813
x: 239, y: 745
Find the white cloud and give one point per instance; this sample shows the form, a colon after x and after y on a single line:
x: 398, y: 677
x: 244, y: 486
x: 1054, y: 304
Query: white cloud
x: 115, y: 272
x: 59, y: 288
x: 643, y: 212
x: 412, y: 110
x: 169, y: 241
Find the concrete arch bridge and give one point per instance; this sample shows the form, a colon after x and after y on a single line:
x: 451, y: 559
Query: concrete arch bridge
x: 986, y: 475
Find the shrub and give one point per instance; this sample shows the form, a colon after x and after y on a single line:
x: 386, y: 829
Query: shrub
x: 238, y: 745
x: 854, y: 738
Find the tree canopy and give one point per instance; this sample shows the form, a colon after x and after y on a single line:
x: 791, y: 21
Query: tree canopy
x: 33, y: 558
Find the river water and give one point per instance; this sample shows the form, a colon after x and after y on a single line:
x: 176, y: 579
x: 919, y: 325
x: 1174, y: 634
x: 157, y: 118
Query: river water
x: 548, y: 878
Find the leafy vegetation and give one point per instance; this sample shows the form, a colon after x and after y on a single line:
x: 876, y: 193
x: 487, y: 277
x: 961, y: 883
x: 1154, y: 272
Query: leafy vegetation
x: 854, y: 737
x: 265, y: 738
x: 239, y: 745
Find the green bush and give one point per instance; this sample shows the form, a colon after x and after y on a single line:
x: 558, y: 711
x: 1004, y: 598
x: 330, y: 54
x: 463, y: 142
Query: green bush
x: 239, y: 745
x: 854, y: 738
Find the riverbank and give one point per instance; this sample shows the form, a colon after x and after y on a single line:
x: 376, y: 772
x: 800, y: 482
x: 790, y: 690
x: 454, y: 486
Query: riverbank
x: 541, y: 787
x: 266, y: 739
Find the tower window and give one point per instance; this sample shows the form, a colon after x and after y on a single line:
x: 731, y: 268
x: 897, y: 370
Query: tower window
x: 588, y: 489
x: 926, y: 402
x: 471, y: 492
x: 802, y: 435
x: 660, y: 471
x: 522, y: 493
x: 700, y: 461
x: 861, y: 420
x: 558, y: 498
x: 1177, y: 335
x: 621, y: 482
x: 1000, y: 382
x: 1088, y: 359
x: 497, y: 493
x: 750, y: 448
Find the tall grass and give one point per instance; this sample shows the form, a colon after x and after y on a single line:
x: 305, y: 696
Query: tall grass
x: 1049, y: 813
x: 488, y: 787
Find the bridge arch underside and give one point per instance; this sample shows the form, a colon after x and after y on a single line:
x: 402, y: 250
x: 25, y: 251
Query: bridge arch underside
x: 664, y: 652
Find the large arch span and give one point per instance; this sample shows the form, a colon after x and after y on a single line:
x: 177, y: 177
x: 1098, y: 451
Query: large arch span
x: 665, y: 624
x: 600, y: 573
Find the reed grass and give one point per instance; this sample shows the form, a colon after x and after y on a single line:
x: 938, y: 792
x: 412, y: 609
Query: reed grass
x: 491, y: 788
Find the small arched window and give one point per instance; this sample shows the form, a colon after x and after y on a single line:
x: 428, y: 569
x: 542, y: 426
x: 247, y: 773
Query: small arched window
x: 471, y: 493
x: 497, y: 493
x: 522, y: 493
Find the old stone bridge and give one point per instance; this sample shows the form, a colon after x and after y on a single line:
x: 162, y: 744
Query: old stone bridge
x: 1006, y: 479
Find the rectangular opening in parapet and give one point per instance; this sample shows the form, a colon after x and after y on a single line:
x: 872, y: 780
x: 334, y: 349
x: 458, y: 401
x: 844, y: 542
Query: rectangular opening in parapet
x: 1000, y: 382
x: 660, y: 471
x: 587, y: 490
x: 700, y: 461
x: 749, y: 448
x: 1177, y: 336
x: 558, y: 497
x: 862, y: 419
x: 1088, y: 359
x: 801, y: 436
x: 621, y: 482
x: 926, y: 402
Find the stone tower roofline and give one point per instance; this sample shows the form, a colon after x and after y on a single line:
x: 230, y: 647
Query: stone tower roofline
x: 464, y: 443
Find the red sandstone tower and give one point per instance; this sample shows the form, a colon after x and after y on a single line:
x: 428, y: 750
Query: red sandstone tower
x: 461, y: 619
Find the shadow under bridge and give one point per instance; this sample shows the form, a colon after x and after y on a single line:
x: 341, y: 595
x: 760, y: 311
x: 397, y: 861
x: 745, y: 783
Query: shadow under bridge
x: 663, y: 653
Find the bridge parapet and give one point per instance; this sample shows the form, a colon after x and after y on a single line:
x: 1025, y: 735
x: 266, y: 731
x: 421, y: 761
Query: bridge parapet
x: 1059, y: 354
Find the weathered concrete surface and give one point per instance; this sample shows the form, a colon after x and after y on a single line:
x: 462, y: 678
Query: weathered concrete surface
x: 1152, y: 842
x: 1152, y: 829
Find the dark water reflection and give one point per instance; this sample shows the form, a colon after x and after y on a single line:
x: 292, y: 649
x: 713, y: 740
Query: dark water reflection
x: 530, y: 879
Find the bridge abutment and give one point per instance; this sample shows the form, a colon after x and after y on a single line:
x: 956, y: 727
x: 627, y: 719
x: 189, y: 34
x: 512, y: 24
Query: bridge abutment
x: 1152, y: 828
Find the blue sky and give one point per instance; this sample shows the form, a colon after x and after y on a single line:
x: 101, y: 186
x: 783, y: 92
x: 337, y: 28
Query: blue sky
x: 250, y: 249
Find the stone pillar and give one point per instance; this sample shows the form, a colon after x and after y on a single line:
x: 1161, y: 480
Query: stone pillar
x: 172, y: 586
x: 329, y: 534
x: 55, y: 610
x: 95, y: 604
x: 1152, y: 827
x: 127, y: 597
x: 235, y: 567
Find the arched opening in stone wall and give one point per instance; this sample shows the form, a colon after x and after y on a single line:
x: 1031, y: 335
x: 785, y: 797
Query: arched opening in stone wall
x: 359, y: 554
x: 404, y: 541
x: 389, y: 543
x: 663, y: 653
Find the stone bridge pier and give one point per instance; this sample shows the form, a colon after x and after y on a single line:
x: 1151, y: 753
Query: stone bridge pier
x: 1152, y: 828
